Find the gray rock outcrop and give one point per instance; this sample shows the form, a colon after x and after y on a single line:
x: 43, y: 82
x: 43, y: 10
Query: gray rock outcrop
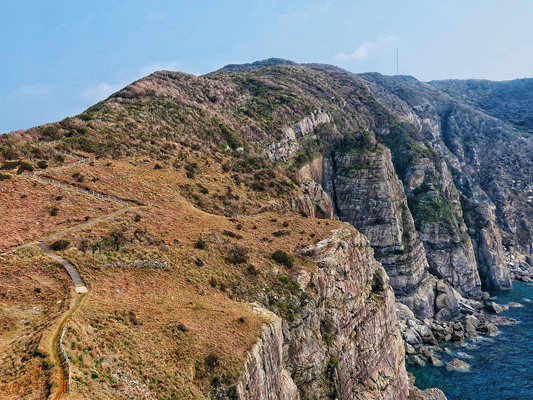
x: 346, y: 342
x: 264, y: 377
x: 368, y: 194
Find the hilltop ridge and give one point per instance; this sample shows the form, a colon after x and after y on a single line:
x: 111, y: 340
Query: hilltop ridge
x: 305, y: 214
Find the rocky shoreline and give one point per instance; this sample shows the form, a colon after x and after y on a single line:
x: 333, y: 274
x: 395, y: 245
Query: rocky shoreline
x: 464, y: 319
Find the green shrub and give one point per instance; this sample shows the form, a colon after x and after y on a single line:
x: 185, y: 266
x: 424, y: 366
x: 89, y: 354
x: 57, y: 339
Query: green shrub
x: 42, y: 164
x: 54, y: 211
x: 24, y: 166
x: 200, y: 244
x: 282, y: 258
x: 192, y: 169
x: 10, y: 165
x: 252, y: 270
x: 60, y: 245
x: 4, y: 177
x: 232, y: 234
x: 211, y: 362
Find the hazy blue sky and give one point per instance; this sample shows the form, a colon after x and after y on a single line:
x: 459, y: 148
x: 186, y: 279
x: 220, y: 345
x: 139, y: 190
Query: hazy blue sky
x: 58, y: 57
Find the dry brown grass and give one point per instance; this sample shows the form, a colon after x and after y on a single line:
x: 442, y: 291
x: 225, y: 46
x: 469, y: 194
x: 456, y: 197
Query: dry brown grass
x: 31, y: 287
x: 155, y: 328
x: 182, y: 331
x: 25, y: 206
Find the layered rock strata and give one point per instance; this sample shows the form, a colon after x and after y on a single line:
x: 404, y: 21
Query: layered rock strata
x: 343, y: 341
x: 368, y: 194
x: 264, y: 377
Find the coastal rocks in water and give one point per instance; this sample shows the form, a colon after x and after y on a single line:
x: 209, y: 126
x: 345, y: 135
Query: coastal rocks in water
x: 415, y: 332
x: 470, y: 324
x: 409, y: 349
x: 447, y: 302
x: 435, y: 361
x: 458, y: 365
x: 416, y: 360
x: 488, y: 328
x: 522, y: 271
x: 458, y: 332
x: 443, y: 333
x: 428, y: 394
x: 493, y: 307
x: 411, y: 337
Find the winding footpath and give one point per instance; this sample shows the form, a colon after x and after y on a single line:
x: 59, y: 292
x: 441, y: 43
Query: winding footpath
x: 55, y: 342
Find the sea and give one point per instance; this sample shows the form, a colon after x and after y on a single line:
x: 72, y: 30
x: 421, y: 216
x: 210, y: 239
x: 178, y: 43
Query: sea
x: 501, y: 367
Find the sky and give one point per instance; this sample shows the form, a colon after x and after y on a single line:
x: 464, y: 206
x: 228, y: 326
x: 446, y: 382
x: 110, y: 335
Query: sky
x: 59, y: 57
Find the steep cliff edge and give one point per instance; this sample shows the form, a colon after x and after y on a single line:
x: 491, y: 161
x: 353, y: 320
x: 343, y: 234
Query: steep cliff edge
x: 442, y: 191
x: 369, y: 195
x: 347, y: 337
x: 342, y: 341
x: 264, y: 377
x: 458, y: 182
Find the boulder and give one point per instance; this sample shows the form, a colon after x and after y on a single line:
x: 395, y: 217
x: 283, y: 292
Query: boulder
x: 409, y: 349
x: 403, y: 312
x: 457, y: 365
x: 443, y: 315
x: 493, y: 307
x: 435, y: 361
x: 488, y: 328
x: 417, y: 360
x: 411, y: 337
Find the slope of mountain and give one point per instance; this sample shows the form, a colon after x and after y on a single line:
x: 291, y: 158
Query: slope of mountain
x: 239, y: 268
x: 509, y: 101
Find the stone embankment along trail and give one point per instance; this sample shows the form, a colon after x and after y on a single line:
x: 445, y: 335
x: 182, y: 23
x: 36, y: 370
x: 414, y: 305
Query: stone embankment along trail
x: 66, y: 386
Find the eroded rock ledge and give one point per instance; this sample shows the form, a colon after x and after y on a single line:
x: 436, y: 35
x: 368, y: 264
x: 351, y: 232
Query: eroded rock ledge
x: 344, y: 344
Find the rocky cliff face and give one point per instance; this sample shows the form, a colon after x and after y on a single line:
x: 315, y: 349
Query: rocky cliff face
x: 369, y: 195
x: 264, y: 377
x: 456, y: 210
x: 344, y: 343
x: 292, y: 136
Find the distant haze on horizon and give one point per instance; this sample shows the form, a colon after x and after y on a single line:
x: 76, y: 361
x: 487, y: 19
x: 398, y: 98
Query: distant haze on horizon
x: 59, y: 58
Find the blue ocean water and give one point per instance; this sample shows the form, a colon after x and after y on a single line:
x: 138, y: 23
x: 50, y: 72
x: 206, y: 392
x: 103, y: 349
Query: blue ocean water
x: 501, y: 367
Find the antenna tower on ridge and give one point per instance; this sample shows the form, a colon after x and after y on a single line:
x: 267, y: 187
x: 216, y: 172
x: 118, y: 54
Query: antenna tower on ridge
x: 396, y: 61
